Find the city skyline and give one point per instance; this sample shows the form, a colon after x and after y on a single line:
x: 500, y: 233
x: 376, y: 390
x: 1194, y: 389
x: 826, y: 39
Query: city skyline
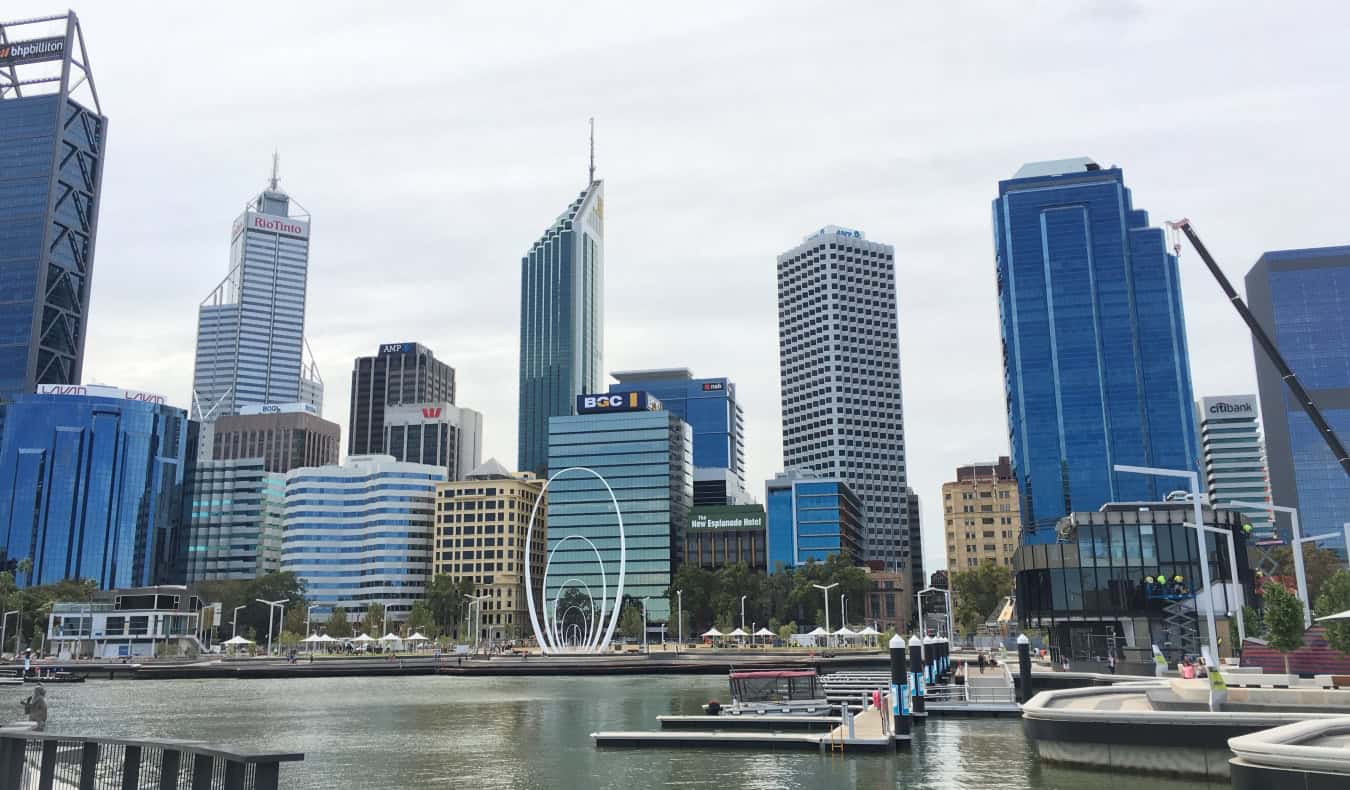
x: 932, y: 207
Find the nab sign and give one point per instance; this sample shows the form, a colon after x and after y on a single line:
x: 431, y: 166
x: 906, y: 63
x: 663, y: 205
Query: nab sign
x: 617, y: 401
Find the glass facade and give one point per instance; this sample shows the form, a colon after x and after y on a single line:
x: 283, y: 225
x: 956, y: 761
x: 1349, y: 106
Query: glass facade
x: 234, y: 520
x: 361, y: 533
x: 51, y: 177
x: 1096, y: 369
x: 710, y: 407
x: 1101, y: 582
x: 810, y: 519
x: 250, y: 329
x: 562, y: 332
x: 647, y: 459
x: 93, y: 489
x: 1302, y: 299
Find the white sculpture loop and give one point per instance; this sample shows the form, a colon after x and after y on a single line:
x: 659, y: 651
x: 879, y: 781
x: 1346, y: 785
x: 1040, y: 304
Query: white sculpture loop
x: 602, y: 631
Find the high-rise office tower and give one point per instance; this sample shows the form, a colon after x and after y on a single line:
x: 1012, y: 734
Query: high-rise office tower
x: 562, y: 311
x: 645, y: 455
x: 401, y: 374
x: 438, y: 434
x: 1235, y: 459
x: 1096, y: 370
x: 284, y: 437
x: 913, y: 548
x: 839, y: 363
x: 236, y: 513
x: 251, y: 328
x: 1302, y: 299
x: 713, y: 413
x: 52, y: 135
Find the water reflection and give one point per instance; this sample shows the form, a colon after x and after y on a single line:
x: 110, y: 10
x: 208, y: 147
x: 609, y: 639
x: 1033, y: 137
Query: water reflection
x: 532, y: 733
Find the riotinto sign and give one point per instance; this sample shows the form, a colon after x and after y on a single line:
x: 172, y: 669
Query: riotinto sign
x: 35, y: 51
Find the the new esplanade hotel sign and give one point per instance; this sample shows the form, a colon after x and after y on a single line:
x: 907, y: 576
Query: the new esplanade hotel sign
x: 35, y: 51
x: 727, y: 517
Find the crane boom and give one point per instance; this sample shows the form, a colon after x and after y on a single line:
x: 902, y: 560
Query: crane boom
x: 1268, y: 345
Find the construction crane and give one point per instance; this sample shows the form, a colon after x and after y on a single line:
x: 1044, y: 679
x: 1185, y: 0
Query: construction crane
x: 1300, y: 394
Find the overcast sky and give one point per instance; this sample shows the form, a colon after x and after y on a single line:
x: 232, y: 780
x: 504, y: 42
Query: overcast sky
x: 433, y: 147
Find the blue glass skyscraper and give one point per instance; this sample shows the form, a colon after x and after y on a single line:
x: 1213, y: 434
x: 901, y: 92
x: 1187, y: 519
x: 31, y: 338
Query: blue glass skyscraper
x: 1095, y: 363
x: 710, y: 407
x: 52, y: 134
x: 1302, y: 299
x: 811, y: 518
x: 93, y: 482
x: 562, y: 332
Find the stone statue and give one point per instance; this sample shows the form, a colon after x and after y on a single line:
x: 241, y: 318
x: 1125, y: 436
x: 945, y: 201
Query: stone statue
x: 35, y: 708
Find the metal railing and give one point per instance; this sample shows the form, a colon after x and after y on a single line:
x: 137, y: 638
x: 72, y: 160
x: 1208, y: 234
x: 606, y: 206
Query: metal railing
x: 31, y: 760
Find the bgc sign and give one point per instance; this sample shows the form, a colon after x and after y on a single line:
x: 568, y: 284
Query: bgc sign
x: 618, y: 401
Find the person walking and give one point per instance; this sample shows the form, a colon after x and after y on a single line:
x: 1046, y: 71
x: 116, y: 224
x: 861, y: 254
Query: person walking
x: 1111, y: 663
x: 982, y: 663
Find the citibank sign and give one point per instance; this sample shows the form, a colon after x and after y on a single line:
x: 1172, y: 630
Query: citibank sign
x: 1229, y: 406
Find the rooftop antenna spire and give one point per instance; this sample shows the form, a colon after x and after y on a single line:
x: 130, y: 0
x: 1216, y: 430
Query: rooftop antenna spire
x: 592, y: 148
x: 275, y: 164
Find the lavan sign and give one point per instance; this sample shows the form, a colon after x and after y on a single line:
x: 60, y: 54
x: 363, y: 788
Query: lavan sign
x: 100, y: 391
x: 617, y: 401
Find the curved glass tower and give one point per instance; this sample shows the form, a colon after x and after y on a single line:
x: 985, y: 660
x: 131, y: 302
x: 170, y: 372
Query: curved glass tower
x: 1094, y: 343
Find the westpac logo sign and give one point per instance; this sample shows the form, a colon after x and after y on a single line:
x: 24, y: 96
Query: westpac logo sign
x: 431, y: 412
x: 617, y: 401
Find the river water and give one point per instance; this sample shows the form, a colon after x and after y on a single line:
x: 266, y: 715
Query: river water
x: 415, y: 732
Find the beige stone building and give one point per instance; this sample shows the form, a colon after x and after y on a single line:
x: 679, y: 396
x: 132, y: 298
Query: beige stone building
x: 480, y: 535
x: 980, y: 515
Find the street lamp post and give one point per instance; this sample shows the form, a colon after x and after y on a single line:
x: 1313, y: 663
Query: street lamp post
x: 1194, y: 480
x: 825, y: 589
x: 644, y: 624
x: 743, y: 597
x: 270, y: 605
x: 234, y: 617
x: 843, y: 610
x: 679, y: 603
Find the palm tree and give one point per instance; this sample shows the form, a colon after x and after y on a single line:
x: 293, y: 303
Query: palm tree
x: 25, y: 567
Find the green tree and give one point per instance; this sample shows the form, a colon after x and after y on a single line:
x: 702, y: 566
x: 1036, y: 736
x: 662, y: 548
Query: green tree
x: 339, y: 627
x: 785, y: 633
x: 976, y: 592
x: 421, y: 618
x: 1318, y: 565
x: 630, y: 620
x: 445, y: 597
x: 246, y: 592
x: 1284, y: 621
x: 25, y: 570
x: 374, y: 618
x: 1335, y: 598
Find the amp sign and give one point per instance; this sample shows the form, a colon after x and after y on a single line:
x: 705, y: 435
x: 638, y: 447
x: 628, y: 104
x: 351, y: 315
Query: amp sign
x: 617, y: 401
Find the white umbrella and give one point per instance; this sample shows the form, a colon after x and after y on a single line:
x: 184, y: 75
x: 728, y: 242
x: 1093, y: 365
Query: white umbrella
x: 363, y: 639
x: 818, y: 632
x: 327, y: 638
x: 764, y: 632
x: 417, y: 637
x: 237, y: 641
x: 390, y: 638
x: 1338, y: 616
x: 738, y: 632
x: 712, y: 632
x: 312, y: 638
x: 869, y: 631
x: 845, y: 632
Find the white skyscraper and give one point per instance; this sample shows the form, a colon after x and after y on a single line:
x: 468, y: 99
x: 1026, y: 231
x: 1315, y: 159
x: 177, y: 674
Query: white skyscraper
x: 250, y: 329
x: 1235, y: 458
x: 839, y: 364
